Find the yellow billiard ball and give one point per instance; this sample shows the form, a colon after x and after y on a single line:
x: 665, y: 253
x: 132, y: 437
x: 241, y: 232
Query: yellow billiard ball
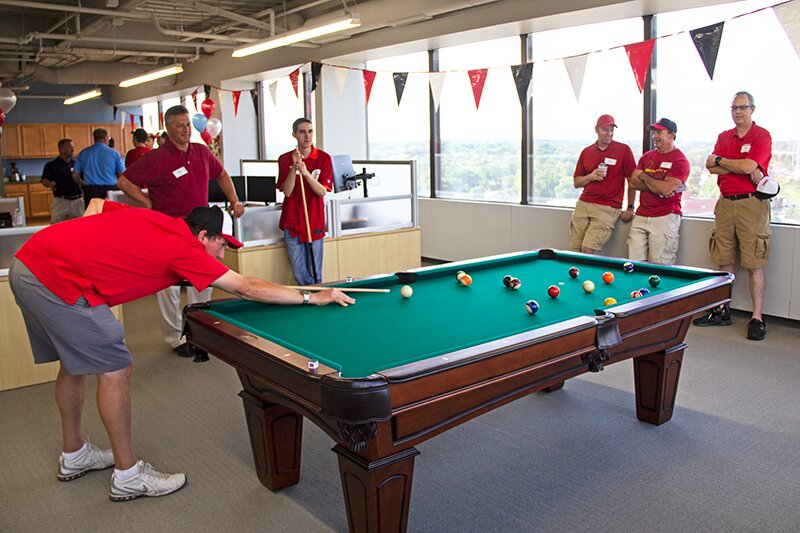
x: 609, y: 301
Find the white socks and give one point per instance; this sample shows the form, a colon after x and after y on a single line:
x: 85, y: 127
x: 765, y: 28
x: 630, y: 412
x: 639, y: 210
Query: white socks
x: 74, y: 455
x: 124, y: 475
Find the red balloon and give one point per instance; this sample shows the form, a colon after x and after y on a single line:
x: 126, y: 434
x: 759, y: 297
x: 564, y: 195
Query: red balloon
x: 206, y: 137
x: 2, y: 118
x: 207, y: 107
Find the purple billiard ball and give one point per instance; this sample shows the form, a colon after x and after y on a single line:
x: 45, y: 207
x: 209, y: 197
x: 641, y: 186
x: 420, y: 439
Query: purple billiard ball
x: 574, y: 272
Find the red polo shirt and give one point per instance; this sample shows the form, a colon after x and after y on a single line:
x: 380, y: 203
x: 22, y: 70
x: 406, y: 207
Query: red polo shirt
x: 755, y: 145
x: 660, y: 166
x: 118, y: 256
x: 292, y: 217
x: 176, y: 181
x: 621, y: 163
x: 135, y: 154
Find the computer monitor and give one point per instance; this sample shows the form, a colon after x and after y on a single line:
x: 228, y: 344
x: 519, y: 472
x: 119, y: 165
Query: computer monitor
x: 215, y: 193
x: 342, y: 169
x: 261, y: 189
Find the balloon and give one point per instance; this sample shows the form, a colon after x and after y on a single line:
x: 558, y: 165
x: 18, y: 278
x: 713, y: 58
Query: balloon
x: 208, y: 106
x: 3, y: 118
x: 207, y: 137
x: 199, y: 122
x: 7, y: 99
x: 214, y: 126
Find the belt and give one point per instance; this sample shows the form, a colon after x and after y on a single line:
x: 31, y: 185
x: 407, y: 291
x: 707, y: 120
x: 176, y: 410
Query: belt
x: 71, y: 197
x: 739, y: 196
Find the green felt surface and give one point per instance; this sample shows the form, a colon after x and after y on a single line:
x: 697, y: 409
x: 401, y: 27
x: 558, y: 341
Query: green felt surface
x: 385, y: 330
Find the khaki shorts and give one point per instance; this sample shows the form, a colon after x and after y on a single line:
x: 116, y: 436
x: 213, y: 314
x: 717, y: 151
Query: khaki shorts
x: 591, y: 226
x: 655, y: 239
x: 745, y: 222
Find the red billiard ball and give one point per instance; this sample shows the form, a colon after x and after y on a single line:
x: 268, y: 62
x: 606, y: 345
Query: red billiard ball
x: 553, y: 291
x: 574, y: 272
x: 608, y: 277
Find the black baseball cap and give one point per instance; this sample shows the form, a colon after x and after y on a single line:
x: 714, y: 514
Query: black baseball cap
x: 140, y: 135
x: 210, y: 219
x: 665, y: 124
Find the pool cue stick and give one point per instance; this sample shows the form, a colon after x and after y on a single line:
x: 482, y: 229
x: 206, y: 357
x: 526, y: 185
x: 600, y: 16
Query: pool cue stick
x: 343, y: 289
x: 310, y: 245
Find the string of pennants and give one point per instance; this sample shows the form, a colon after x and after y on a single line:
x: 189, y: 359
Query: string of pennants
x: 707, y: 41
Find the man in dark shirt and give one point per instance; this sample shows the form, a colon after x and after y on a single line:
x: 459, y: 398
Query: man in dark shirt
x: 57, y: 175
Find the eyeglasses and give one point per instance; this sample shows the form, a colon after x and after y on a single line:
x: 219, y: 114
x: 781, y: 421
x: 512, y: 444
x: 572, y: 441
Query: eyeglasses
x: 740, y: 107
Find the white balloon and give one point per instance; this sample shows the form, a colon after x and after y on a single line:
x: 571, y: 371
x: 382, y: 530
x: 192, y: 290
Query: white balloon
x: 7, y: 99
x: 214, y: 126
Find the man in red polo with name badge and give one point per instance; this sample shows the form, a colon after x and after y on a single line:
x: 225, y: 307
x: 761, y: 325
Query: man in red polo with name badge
x: 307, y: 169
x: 602, y: 171
x: 741, y: 218
x: 176, y: 177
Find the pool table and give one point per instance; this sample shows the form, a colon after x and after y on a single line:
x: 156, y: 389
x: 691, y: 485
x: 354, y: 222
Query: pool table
x: 387, y: 373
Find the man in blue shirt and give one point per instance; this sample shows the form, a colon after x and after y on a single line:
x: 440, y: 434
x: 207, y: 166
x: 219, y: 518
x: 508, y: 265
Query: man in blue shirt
x: 98, y: 167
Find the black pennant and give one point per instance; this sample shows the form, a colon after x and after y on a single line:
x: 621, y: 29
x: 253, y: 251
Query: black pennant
x: 707, y: 40
x: 522, y: 79
x: 400, y: 79
x: 115, y: 113
x: 316, y: 69
x: 254, y: 96
x: 207, y: 89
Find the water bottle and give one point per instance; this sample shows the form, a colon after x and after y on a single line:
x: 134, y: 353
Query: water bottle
x: 603, y: 168
x: 16, y: 218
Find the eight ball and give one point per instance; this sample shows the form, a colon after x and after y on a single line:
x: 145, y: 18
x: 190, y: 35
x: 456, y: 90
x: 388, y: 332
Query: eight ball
x: 507, y: 280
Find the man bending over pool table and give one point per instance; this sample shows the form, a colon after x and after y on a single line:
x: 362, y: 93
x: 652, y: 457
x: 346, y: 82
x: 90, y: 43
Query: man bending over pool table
x: 66, y: 277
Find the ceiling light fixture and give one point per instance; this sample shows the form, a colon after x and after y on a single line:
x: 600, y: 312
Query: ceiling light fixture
x: 83, y: 96
x: 308, y: 31
x: 177, y: 68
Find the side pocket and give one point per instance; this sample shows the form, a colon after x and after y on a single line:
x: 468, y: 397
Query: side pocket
x: 712, y: 242
x: 762, y: 246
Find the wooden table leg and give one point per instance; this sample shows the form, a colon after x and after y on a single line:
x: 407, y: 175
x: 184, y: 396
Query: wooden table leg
x: 276, y: 435
x: 377, y: 494
x: 656, y: 377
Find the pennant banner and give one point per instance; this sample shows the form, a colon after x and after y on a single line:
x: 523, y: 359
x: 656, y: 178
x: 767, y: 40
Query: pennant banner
x: 707, y: 41
x: 273, y: 93
x: 236, y: 95
x: 369, y: 79
x: 576, y: 68
x: 207, y: 90
x: 254, y: 97
x: 161, y: 120
x: 115, y: 113
x: 477, y: 78
x: 133, y: 122
x: 399, y: 79
x: 522, y: 79
x: 194, y: 99
x: 341, y: 78
x: 789, y: 16
x: 639, y: 55
x: 436, y: 80
x: 316, y: 68
x: 293, y: 77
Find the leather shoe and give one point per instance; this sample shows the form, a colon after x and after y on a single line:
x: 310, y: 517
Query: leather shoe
x: 756, y: 329
x: 183, y: 350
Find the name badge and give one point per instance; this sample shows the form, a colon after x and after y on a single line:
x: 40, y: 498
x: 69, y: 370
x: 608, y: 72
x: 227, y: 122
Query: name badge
x: 180, y: 172
x: 610, y: 161
x: 745, y: 148
x: 666, y: 164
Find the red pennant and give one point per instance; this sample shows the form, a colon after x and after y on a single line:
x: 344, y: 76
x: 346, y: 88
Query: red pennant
x: 161, y: 120
x: 477, y: 78
x: 194, y: 98
x: 639, y: 55
x: 369, y: 79
x: 293, y: 76
x: 133, y: 122
x: 236, y: 96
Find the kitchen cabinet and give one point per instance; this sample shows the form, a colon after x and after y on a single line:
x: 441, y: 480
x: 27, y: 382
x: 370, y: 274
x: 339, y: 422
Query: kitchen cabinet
x: 40, y: 141
x: 37, y: 198
x: 10, y: 143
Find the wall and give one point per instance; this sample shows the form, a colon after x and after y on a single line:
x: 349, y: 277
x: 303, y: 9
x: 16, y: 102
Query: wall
x: 454, y: 230
x: 239, y: 133
x: 341, y: 120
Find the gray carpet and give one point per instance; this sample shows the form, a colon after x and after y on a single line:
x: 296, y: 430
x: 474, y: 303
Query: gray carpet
x: 574, y: 460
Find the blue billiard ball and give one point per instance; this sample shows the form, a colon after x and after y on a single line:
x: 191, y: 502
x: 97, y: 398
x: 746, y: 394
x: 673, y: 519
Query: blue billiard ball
x: 645, y: 291
x: 627, y: 267
x: 531, y: 306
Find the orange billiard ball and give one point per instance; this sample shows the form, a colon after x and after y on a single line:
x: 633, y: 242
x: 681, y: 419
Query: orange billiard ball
x: 608, y: 277
x: 465, y: 280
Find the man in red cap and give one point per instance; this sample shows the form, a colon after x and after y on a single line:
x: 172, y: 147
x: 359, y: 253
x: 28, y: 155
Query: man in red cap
x: 66, y: 277
x: 660, y: 175
x: 601, y: 172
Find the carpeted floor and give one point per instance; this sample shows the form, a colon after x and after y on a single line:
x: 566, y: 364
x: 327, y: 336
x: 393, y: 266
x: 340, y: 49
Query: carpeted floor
x: 574, y: 460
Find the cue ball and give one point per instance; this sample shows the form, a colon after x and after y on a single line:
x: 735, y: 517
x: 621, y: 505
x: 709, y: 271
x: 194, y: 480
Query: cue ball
x: 608, y: 277
x: 627, y: 267
x: 553, y: 291
x: 465, y: 280
x: 574, y: 272
x: 609, y: 301
x: 645, y: 291
x: 654, y: 280
x: 531, y: 306
x: 406, y: 291
x: 588, y: 286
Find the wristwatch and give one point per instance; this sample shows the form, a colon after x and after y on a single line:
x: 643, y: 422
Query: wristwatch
x: 717, y: 160
x: 630, y: 206
x: 306, y: 296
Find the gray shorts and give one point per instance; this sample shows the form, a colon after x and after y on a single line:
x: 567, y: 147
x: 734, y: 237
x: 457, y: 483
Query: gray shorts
x: 86, y: 339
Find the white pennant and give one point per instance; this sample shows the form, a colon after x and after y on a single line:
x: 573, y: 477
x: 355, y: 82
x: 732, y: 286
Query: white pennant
x: 436, y: 79
x: 341, y: 77
x: 576, y: 68
x: 273, y: 92
x: 789, y: 16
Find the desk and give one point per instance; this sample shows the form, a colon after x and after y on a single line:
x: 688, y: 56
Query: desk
x: 395, y: 372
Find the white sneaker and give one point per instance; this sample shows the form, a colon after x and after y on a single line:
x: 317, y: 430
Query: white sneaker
x: 92, y: 458
x: 147, y: 482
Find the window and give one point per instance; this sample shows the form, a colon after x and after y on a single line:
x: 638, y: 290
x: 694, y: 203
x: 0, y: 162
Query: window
x: 480, y: 148
x: 562, y: 125
x: 401, y: 132
x: 755, y: 56
x: 280, y: 114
